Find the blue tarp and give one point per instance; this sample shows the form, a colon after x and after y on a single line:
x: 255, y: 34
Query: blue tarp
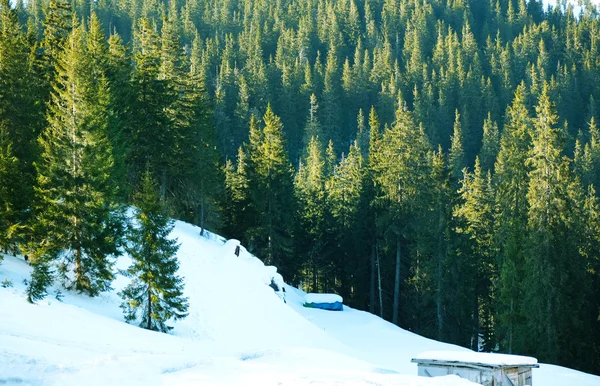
x: 336, y: 306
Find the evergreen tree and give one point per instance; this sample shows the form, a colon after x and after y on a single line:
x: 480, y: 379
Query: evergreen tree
x: 512, y: 181
x: 18, y: 117
x: 57, y: 27
x: 309, y: 185
x: 41, y: 277
x: 271, y: 191
x: 401, y: 166
x: 491, y: 144
x: 155, y: 294
x: 235, y: 207
x: 152, y: 136
x: 476, y: 212
x: 456, y: 156
x: 344, y: 191
x: 9, y: 177
x: 555, y: 266
x: 76, y: 222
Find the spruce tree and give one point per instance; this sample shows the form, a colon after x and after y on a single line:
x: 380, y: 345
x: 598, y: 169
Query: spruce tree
x: 400, y: 167
x: 155, y: 294
x: 512, y: 181
x: 344, y: 192
x: 76, y: 223
x: 272, y: 198
x: 236, y: 210
x: 9, y: 178
x: 457, y: 159
x: 19, y: 113
x: 152, y: 136
x: 309, y: 185
x: 57, y: 27
x: 490, y: 144
x: 476, y: 212
x: 555, y: 267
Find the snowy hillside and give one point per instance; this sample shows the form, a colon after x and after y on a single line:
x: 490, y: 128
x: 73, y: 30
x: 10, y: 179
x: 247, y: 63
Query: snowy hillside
x: 239, y: 332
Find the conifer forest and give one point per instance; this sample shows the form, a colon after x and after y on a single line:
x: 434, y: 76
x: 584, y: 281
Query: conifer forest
x: 434, y: 162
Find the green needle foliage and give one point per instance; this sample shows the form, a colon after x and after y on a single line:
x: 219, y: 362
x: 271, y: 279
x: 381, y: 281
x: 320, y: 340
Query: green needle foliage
x: 155, y: 294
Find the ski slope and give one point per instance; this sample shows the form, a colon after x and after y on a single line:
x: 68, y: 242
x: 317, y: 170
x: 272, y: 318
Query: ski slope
x: 239, y: 332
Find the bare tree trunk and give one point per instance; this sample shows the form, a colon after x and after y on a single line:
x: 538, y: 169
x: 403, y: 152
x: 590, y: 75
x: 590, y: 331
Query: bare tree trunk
x: 202, y: 208
x: 149, y: 315
x: 397, y: 284
x: 372, y: 289
x: 201, y: 222
x: 379, y: 280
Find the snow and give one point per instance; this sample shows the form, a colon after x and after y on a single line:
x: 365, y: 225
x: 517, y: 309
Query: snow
x: 323, y: 298
x: 478, y: 358
x: 239, y: 332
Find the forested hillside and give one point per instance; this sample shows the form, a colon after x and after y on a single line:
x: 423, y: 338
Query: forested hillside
x: 433, y: 161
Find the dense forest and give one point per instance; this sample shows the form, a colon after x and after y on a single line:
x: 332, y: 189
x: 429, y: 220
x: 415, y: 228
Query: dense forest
x: 435, y: 162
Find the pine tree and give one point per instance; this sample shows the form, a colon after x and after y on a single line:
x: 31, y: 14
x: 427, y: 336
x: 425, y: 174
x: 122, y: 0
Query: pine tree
x: 456, y: 156
x: 555, y: 266
x: 76, y: 222
x: 152, y: 136
x: 235, y: 207
x: 272, y: 198
x: 42, y: 276
x: 18, y: 117
x: 57, y: 27
x: 120, y: 115
x: 309, y: 184
x: 400, y: 169
x: 491, y: 144
x: 155, y: 294
x: 313, y: 126
x: 344, y: 192
x: 476, y: 214
x: 512, y: 182
x: 9, y: 177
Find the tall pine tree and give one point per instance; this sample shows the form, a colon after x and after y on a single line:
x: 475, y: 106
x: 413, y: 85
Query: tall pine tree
x: 76, y: 223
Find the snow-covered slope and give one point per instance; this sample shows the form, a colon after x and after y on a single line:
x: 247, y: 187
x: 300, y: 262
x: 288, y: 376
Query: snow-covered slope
x: 239, y: 332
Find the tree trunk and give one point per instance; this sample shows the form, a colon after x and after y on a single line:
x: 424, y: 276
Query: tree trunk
x: 149, y: 315
x: 202, y: 208
x: 397, y: 284
x: 379, y: 280
x: 372, y: 289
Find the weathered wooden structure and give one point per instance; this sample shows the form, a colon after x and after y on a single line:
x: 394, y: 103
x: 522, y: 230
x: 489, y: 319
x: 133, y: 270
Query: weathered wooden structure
x: 483, y: 368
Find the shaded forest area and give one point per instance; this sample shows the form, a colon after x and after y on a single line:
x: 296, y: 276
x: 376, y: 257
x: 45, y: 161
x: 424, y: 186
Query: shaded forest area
x: 435, y: 162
